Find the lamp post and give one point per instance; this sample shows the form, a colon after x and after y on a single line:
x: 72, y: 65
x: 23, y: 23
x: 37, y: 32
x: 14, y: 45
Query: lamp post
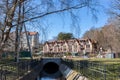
x: 84, y: 52
x: 101, y: 50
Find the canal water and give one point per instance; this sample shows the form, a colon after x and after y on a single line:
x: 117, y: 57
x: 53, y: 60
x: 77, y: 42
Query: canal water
x: 51, y: 77
x: 48, y: 78
x: 55, y: 76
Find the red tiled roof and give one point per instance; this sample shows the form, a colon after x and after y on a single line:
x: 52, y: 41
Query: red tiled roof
x: 32, y: 33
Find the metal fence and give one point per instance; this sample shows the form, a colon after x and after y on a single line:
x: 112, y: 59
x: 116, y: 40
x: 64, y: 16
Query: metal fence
x: 13, y: 71
x: 95, y: 71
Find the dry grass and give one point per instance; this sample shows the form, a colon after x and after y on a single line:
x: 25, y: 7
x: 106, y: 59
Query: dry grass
x: 101, y: 60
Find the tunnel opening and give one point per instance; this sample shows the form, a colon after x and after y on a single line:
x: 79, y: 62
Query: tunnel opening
x: 51, y: 68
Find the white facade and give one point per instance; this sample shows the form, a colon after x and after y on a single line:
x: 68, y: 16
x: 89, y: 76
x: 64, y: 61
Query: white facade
x: 33, y: 38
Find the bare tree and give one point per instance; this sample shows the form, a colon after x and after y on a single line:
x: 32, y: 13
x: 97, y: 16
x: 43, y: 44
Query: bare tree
x: 37, y: 9
x: 115, y: 8
x: 106, y: 36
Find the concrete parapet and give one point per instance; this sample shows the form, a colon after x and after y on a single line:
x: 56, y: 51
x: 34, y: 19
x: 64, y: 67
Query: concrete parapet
x: 70, y: 74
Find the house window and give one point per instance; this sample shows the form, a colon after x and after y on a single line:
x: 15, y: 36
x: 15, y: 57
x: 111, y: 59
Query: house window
x: 87, y: 46
x: 50, y: 49
x: 64, y: 48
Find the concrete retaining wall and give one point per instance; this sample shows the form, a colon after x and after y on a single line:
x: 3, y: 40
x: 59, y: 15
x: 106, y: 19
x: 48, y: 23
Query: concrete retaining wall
x: 70, y: 74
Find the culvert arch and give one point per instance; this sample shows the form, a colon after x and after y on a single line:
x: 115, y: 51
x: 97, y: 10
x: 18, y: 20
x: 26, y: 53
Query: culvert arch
x: 51, y: 68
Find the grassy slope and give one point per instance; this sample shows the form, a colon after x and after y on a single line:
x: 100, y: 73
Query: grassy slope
x: 101, y: 60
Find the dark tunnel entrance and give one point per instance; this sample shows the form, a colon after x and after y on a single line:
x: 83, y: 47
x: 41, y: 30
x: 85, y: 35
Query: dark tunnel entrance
x: 51, y: 68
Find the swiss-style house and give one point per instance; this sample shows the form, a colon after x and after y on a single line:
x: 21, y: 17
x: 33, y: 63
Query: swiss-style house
x: 70, y: 46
